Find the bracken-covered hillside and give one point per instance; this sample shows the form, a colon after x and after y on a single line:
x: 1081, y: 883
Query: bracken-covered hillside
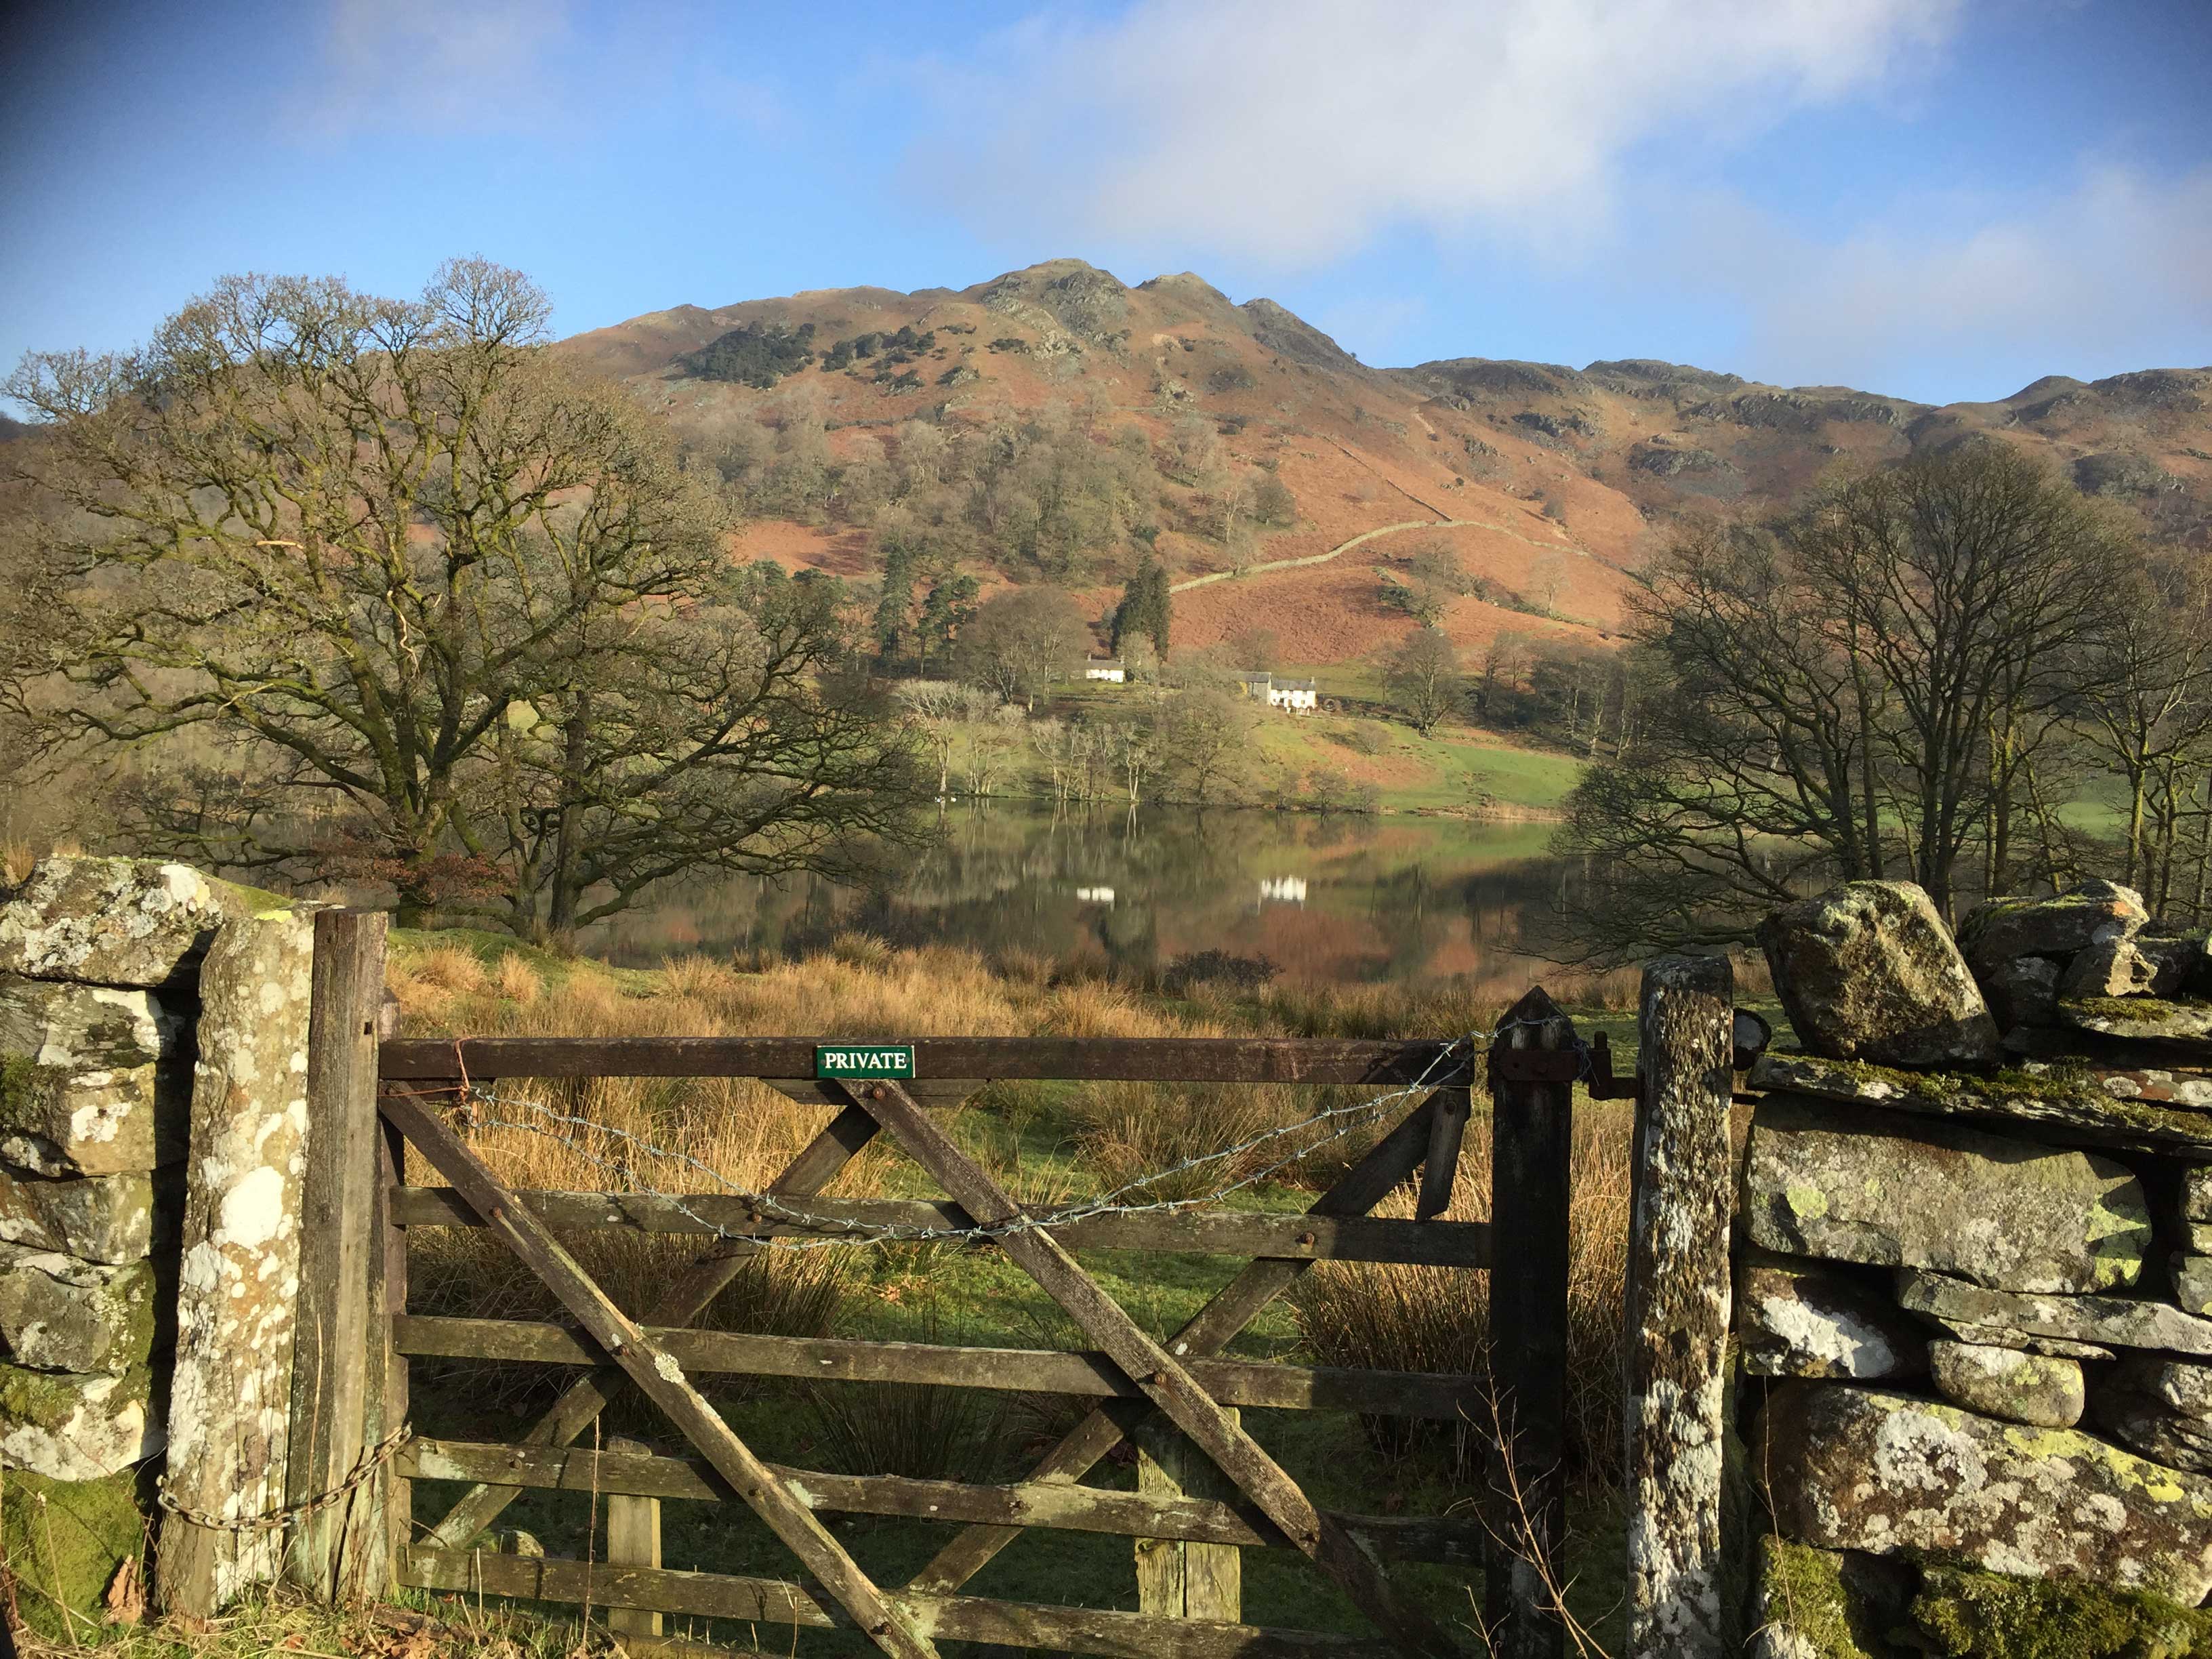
x: 1549, y: 482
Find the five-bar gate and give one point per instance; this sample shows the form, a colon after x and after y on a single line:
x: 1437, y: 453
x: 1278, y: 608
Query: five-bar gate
x: 1177, y: 1398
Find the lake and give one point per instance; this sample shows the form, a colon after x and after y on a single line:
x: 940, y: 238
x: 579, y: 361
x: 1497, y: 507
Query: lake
x: 1327, y: 899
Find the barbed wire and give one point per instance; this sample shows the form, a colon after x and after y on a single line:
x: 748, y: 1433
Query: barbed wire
x: 824, y: 1231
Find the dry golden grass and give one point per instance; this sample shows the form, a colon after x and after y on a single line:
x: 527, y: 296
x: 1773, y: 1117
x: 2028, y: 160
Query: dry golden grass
x: 1397, y: 1317
x: 743, y: 1133
x: 284, y: 1622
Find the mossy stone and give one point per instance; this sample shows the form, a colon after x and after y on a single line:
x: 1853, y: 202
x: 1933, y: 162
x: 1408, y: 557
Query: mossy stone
x: 63, y: 1541
x: 1984, y: 1615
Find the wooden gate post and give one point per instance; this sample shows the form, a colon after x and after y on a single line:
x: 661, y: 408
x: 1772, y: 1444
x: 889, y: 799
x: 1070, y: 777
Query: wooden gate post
x: 1176, y: 1579
x: 1679, y: 1310
x: 633, y: 1540
x: 1533, y: 1064
x: 341, y: 1551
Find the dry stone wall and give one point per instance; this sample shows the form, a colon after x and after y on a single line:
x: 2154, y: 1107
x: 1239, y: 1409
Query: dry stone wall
x: 153, y: 1062
x: 1973, y: 1274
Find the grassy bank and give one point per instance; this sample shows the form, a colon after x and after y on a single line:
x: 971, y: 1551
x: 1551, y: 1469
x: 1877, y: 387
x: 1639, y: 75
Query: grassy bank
x: 1050, y: 1143
x: 1458, y: 767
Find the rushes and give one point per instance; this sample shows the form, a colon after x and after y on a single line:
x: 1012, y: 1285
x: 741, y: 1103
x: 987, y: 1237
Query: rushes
x: 1396, y: 1317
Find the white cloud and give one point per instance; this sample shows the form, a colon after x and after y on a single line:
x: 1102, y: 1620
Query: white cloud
x: 2109, y: 272
x: 468, y: 64
x: 1292, y: 131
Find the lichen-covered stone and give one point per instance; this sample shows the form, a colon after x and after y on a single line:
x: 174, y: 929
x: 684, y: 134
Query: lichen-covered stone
x: 2177, y: 1386
x: 115, y: 921
x: 1870, y: 972
x: 92, y: 1079
x: 63, y: 1541
x: 2180, y: 962
x: 2149, y: 1109
x: 2022, y: 992
x: 2160, y: 1406
x: 72, y: 1427
x: 59, y: 1313
x: 2138, y: 1423
x: 2008, y: 1383
x: 2110, y: 968
x: 105, y: 1219
x: 1793, y: 1320
x: 1848, y: 1467
x: 2114, y: 1321
x: 2158, y: 1019
x: 1872, y: 1187
x: 238, y: 1278
x: 1995, y: 1336
x: 2000, y: 930
x: 2192, y: 1282
x: 2197, y: 1192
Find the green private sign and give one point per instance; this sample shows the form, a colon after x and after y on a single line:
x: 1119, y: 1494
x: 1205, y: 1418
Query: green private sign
x: 863, y: 1059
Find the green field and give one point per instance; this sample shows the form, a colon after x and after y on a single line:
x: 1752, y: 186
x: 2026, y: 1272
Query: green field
x: 1457, y: 768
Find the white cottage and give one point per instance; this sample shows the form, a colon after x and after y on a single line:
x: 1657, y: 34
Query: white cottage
x: 1299, y: 697
x: 1110, y: 669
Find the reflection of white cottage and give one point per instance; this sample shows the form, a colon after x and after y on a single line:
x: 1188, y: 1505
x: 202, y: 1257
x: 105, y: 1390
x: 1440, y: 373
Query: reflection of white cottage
x: 1299, y: 697
x: 1110, y: 669
x: 1283, y: 889
x: 1095, y: 895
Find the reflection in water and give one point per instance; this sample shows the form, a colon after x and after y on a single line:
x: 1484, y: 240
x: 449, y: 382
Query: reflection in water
x: 1339, y: 899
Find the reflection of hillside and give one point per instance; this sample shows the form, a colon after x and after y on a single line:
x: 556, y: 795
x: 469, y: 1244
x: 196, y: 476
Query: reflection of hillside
x: 1379, y: 899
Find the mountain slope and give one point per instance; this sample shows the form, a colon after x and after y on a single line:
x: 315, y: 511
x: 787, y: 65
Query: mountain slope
x: 1554, y: 482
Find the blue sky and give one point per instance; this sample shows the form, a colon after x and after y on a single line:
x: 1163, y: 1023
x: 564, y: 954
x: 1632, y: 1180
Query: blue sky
x: 1939, y: 198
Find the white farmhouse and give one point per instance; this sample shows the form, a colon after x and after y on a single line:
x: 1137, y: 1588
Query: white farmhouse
x: 1110, y: 669
x: 1299, y: 697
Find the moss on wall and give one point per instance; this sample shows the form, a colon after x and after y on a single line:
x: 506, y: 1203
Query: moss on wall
x: 1986, y: 1615
x: 62, y: 1542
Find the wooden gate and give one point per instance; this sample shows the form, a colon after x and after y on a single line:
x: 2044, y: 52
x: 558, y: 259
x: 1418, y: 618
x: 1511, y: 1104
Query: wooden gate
x: 1178, y: 1398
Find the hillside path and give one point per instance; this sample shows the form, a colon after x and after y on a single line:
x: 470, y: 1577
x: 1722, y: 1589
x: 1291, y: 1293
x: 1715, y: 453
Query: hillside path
x: 1365, y: 536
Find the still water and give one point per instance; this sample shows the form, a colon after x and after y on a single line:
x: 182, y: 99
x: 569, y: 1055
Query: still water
x: 1342, y: 900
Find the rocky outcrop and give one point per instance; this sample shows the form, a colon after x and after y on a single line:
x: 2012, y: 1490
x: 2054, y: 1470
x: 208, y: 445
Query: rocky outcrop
x: 1795, y: 1319
x: 1857, y: 1469
x: 1868, y: 972
x: 1854, y: 1186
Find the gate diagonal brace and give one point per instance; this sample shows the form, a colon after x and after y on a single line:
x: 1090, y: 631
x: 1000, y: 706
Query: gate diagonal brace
x: 1208, y: 1331
x: 656, y: 1372
x: 1156, y: 1373
x: 815, y: 1167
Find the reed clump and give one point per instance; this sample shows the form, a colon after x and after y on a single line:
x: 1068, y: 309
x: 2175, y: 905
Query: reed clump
x: 1393, y: 1317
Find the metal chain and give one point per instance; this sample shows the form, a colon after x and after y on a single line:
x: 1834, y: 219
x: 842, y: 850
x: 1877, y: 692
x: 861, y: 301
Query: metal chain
x: 377, y: 1456
x: 1339, y: 1120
